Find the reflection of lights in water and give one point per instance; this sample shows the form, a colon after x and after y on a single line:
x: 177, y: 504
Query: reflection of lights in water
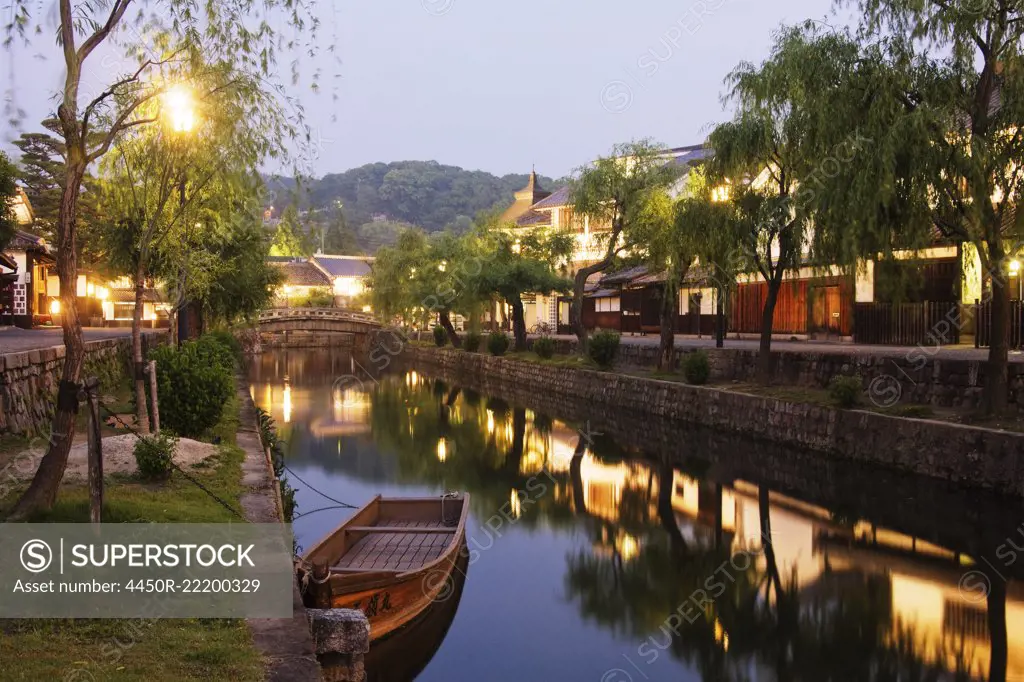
x: 530, y: 414
x: 268, y: 398
x: 515, y: 505
x: 627, y: 546
x: 442, y: 450
x: 287, y: 403
x: 350, y: 405
x: 721, y: 636
x: 412, y: 379
x: 252, y: 392
x: 490, y: 422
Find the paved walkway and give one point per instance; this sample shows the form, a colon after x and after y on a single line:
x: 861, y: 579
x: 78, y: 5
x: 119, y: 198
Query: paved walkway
x: 960, y: 352
x: 15, y: 340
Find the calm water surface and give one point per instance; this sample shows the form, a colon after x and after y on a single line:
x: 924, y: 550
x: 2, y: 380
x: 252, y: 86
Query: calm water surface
x: 600, y: 559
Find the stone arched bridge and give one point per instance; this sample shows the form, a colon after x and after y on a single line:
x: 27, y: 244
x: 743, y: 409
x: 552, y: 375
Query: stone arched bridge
x: 316, y: 328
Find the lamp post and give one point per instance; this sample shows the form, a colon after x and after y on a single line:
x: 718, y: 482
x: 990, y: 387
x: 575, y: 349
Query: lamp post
x: 720, y: 195
x: 181, y: 117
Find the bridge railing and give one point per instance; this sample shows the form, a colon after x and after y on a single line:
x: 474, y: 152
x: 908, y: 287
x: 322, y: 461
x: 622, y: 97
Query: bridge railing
x: 278, y: 314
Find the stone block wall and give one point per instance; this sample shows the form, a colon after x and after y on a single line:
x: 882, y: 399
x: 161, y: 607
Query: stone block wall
x: 974, y: 456
x: 28, y: 380
x: 917, y: 376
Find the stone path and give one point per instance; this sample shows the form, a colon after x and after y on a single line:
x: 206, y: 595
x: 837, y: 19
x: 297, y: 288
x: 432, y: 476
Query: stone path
x: 285, y: 644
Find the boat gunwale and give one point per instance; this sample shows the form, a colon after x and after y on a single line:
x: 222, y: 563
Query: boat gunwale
x: 349, y: 580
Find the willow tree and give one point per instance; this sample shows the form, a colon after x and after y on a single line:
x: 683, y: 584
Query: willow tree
x: 178, y: 33
x: 7, y: 191
x: 392, y: 278
x: 938, y: 86
x: 610, y: 193
x: 164, y: 193
x: 771, y: 153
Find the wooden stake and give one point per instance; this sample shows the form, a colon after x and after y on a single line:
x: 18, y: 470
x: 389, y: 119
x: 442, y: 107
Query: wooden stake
x: 154, y: 420
x: 320, y: 585
x: 92, y: 394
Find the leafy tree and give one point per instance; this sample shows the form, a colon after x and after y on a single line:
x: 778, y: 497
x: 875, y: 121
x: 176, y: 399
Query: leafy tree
x: 374, y: 235
x: 613, y: 192
x: 289, y: 237
x: 518, y: 264
x: 8, y: 223
x: 157, y: 186
x: 243, y: 283
x: 41, y: 173
x: 392, y: 292
x: 339, y: 237
x: 90, y: 123
x: 938, y: 88
x: 764, y: 154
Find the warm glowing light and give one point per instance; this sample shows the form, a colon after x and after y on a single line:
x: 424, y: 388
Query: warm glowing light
x: 720, y: 194
x: 180, y: 108
x: 515, y: 504
x: 90, y: 289
x: 490, y: 421
x: 367, y: 309
x: 442, y: 450
x: 1014, y: 267
x: 102, y: 293
x: 55, y: 307
x: 627, y: 546
x: 287, y: 288
x: 517, y: 247
x: 287, y: 404
x: 442, y: 266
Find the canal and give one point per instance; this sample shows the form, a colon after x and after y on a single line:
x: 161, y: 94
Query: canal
x: 609, y: 548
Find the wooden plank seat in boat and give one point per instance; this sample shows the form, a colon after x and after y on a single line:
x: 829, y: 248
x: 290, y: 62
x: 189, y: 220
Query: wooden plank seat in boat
x: 393, y: 557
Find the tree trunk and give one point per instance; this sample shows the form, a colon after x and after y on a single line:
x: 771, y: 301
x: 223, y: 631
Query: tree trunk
x: 997, y: 379
x: 42, y: 492
x: 518, y: 322
x: 667, y: 345
x: 765, y: 366
x: 579, y: 286
x: 453, y: 336
x: 141, y: 415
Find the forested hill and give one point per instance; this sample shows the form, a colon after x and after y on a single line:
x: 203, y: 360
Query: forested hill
x: 424, y: 193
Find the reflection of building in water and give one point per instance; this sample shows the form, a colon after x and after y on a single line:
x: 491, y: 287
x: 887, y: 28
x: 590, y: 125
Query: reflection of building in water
x: 349, y: 408
x: 923, y: 579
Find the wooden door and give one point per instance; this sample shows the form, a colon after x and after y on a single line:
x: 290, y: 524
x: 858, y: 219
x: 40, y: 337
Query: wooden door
x: 826, y: 307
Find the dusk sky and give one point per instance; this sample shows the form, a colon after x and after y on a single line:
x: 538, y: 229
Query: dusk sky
x: 498, y: 85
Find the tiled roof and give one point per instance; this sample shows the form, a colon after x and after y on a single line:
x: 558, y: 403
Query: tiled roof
x: 559, y: 198
x: 686, y: 156
x: 8, y: 262
x: 24, y: 241
x: 128, y: 295
x: 532, y: 218
x: 343, y: 266
x: 624, y: 276
x: 302, y: 274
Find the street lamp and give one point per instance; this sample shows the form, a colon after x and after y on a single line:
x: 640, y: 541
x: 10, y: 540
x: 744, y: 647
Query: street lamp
x: 181, y: 117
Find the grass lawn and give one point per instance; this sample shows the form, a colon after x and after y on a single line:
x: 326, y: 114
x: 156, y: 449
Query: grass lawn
x: 140, y: 650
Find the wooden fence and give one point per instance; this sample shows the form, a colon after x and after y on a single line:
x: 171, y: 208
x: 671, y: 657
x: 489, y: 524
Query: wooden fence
x: 907, y: 324
x: 983, y: 318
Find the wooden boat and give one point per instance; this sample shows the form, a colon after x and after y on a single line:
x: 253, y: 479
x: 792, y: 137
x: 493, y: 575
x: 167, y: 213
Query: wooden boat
x: 391, y: 560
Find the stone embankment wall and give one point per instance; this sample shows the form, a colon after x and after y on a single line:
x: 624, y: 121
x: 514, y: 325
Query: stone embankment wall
x: 28, y: 380
x: 969, y: 455
x: 916, y: 376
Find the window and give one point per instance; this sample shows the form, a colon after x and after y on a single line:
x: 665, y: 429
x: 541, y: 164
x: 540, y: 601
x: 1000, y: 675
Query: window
x: 607, y: 305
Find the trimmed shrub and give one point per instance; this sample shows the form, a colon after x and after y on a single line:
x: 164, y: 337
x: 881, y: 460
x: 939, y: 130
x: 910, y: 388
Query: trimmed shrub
x: 544, y: 347
x: 193, y: 385
x: 154, y: 454
x: 472, y: 342
x: 440, y: 336
x: 603, y: 347
x: 846, y: 391
x: 696, y: 368
x: 219, y: 351
x: 497, y: 343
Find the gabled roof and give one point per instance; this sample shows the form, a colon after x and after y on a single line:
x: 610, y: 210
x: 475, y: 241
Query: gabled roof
x: 8, y: 262
x: 343, y: 266
x: 302, y: 274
